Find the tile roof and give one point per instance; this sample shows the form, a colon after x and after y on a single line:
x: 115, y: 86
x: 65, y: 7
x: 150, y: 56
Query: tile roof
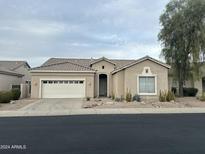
x: 12, y: 65
x: 84, y: 62
x: 63, y: 66
x: 140, y: 60
x: 9, y: 72
x: 75, y: 64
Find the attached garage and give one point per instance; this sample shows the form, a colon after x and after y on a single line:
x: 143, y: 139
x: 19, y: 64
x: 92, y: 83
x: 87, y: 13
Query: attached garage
x: 63, y: 88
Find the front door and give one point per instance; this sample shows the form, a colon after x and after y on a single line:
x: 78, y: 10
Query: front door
x: 103, y: 85
x: 203, y: 84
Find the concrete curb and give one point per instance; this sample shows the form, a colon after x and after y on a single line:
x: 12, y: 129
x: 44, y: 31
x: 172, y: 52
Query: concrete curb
x: 21, y: 113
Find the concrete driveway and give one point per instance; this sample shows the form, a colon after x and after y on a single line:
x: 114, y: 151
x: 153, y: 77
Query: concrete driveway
x: 54, y: 105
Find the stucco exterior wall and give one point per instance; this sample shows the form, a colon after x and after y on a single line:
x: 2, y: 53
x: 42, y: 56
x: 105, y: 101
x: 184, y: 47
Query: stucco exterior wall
x: 25, y: 71
x: 131, y: 74
x: 108, y: 68
x: 118, y: 84
x: 156, y: 69
x: 7, y: 81
x: 37, y: 77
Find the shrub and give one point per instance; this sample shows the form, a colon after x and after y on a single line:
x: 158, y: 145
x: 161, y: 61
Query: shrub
x: 170, y: 96
x: 174, y: 90
x: 166, y: 96
x: 5, y: 96
x: 16, y: 93
x: 136, y: 98
x: 190, y: 91
x: 117, y: 99
x: 128, y: 96
x: 162, y: 96
x: 202, y: 98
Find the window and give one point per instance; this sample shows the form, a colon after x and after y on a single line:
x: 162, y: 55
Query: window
x: 44, y: 82
x: 16, y: 87
x: 65, y: 82
x: 61, y: 82
x: 76, y: 82
x: 55, y: 82
x: 103, y: 67
x: 147, y: 84
x: 81, y: 82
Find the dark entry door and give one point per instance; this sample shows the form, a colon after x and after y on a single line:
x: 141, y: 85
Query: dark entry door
x: 103, y: 85
x: 203, y: 84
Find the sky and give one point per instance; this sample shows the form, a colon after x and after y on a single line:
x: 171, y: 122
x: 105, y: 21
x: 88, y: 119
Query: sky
x: 35, y: 30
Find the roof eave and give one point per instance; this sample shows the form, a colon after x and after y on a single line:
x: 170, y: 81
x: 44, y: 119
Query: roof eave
x: 10, y: 73
x: 143, y: 59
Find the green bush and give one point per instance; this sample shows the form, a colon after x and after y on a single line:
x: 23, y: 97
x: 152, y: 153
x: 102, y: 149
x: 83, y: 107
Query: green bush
x: 166, y: 96
x: 5, y: 96
x: 16, y: 93
x: 162, y: 96
x: 136, y: 98
x: 190, y: 91
x: 202, y: 98
x: 170, y: 96
x: 128, y: 96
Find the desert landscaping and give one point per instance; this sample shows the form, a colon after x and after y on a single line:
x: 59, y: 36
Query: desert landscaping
x: 178, y: 103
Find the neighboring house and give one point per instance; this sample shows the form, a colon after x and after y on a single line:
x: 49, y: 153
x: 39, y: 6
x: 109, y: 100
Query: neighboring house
x: 190, y: 83
x: 80, y: 78
x: 13, y: 74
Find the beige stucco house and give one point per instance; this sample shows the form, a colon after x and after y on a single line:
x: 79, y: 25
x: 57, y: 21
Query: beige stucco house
x: 15, y: 74
x: 80, y: 78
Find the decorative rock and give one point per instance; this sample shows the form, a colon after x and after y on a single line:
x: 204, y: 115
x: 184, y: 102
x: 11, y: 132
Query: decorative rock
x: 172, y: 101
x: 109, y: 103
x: 12, y: 102
x: 142, y: 102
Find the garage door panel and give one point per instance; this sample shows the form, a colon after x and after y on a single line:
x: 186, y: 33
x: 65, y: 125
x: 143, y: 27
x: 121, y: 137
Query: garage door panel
x: 63, y: 90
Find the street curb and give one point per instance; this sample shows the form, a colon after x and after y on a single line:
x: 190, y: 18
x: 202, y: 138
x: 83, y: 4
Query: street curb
x: 93, y: 111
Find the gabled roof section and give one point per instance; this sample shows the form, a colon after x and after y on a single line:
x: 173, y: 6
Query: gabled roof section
x: 65, y: 66
x: 102, y: 59
x: 139, y: 61
x: 12, y: 65
x: 86, y: 62
x: 9, y: 72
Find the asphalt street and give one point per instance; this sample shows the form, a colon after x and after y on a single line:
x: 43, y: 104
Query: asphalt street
x: 104, y: 134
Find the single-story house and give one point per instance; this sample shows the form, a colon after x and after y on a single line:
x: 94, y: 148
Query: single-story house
x: 81, y: 78
x: 13, y: 74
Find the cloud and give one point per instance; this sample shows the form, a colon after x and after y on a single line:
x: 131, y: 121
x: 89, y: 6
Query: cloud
x: 36, y: 30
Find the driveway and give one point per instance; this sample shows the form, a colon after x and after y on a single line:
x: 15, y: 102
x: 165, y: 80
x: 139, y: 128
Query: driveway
x: 54, y: 105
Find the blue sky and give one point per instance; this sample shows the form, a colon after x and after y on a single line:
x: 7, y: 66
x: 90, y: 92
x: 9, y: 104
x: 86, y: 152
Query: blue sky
x: 35, y: 30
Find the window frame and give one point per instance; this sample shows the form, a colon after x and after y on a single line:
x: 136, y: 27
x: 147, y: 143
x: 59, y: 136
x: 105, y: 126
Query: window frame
x: 138, y: 84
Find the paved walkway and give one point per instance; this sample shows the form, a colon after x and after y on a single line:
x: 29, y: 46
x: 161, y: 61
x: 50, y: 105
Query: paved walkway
x: 101, y: 111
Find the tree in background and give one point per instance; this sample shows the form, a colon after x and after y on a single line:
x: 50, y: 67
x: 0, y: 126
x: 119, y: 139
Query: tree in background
x: 183, y: 38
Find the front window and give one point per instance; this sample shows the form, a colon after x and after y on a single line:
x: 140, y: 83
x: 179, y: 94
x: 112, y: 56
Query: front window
x: 147, y: 84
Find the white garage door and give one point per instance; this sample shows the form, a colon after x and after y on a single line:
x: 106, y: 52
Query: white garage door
x: 63, y: 89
